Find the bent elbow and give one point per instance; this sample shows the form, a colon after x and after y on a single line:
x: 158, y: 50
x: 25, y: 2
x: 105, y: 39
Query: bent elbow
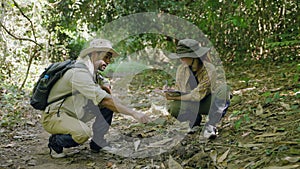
x: 106, y: 102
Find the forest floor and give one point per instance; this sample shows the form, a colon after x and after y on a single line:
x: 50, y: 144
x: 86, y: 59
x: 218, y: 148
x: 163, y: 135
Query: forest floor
x: 260, y: 130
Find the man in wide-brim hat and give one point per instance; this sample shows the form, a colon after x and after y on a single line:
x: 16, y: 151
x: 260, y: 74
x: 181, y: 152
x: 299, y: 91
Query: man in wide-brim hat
x: 66, y: 119
x: 99, y: 45
x: 195, y: 79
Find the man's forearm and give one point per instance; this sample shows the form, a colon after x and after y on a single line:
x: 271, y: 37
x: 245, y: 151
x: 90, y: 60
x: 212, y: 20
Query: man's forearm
x: 115, y: 105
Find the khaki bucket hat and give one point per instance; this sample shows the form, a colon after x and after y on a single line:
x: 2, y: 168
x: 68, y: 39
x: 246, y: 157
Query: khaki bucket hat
x: 189, y: 48
x: 98, y: 45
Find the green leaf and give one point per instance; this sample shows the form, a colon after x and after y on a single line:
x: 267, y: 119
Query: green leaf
x: 294, y: 107
x: 268, y: 152
x: 268, y: 100
x: 276, y: 96
x: 266, y: 94
x: 296, y: 78
x: 236, y: 113
x: 238, y: 123
x: 247, y: 118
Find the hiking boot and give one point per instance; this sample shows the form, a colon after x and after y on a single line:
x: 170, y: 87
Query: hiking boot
x: 210, y: 132
x: 193, y: 130
x: 94, y: 147
x: 109, y: 148
x: 56, y: 151
x: 105, y: 146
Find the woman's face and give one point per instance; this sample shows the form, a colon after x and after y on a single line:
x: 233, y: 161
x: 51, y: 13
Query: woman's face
x: 187, y: 61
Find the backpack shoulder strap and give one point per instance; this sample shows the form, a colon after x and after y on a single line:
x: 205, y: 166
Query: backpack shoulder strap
x: 74, y: 65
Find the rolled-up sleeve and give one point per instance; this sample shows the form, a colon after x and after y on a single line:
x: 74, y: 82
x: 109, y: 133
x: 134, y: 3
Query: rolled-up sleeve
x: 82, y: 81
x: 202, y: 89
x: 205, y: 77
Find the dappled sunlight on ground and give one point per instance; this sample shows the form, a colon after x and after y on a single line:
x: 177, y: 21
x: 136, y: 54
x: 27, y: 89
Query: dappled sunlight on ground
x: 261, y: 129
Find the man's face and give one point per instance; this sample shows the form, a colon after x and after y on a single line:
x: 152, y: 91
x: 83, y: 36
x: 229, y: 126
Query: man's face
x: 102, y: 59
x: 108, y: 57
x: 102, y: 65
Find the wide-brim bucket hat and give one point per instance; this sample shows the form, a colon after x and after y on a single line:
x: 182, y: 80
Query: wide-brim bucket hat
x: 189, y: 48
x: 98, y: 45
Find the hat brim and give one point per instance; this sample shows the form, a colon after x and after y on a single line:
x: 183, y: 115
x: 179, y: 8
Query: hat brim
x: 196, y: 54
x: 102, y: 49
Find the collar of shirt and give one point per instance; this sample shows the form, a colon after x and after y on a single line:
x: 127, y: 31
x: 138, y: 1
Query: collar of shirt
x: 87, y: 61
x: 90, y: 65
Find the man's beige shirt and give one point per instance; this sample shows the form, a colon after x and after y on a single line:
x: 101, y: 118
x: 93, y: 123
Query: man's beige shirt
x: 76, y: 79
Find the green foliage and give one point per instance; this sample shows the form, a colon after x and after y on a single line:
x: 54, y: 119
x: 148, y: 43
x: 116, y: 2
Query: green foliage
x: 242, y: 118
x: 122, y: 68
x: 240, y: 29
x: 271, y: 99
x: 10, y: 114
x: 151, y: 79
x: 75, y: 46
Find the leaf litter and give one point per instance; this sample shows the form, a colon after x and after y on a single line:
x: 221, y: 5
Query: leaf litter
x: 260, y: 130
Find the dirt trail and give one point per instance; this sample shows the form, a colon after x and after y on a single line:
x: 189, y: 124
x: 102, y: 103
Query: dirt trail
x: 260, y: 130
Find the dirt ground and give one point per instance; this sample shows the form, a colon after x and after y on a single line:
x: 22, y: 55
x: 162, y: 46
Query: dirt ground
x: 260, y: 130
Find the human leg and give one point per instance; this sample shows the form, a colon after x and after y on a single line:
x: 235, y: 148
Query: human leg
x: 66, y: 131
x: 219, y: 105
x: 100, y: 128
x: 218, y: 109
x: 190, y: 111
x: 59, y: 141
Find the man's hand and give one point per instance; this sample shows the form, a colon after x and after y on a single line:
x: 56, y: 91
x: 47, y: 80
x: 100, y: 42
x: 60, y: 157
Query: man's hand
x: 141, y: 117
x: 116, y: 106
x: 106, y: 88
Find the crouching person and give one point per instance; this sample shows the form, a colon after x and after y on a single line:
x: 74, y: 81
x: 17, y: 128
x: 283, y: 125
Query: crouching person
x: 203, y: 94
x: 66, y: 119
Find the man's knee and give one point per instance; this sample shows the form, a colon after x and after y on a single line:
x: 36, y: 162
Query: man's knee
x: 82, y: 136
x: 81, y: 133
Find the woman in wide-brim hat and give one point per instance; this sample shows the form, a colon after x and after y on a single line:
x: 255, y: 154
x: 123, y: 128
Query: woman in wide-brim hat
x: 189, y: 48
x: 194, y: 79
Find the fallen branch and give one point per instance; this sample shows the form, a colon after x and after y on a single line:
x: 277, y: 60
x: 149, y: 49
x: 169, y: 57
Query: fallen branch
x: 289, y: 122
x: 288, y: 142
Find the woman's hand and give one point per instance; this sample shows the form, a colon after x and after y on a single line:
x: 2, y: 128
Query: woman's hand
x: 166, y: 87
x: 172, y: 97
x: 168, y: 97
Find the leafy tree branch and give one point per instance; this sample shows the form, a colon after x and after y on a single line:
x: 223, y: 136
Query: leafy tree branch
x: 31, y: 24
x: 19, y: 38
x: 35, y: 52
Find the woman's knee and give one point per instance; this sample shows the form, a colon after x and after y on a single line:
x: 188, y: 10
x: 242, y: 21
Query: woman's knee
x: 174, y: 108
